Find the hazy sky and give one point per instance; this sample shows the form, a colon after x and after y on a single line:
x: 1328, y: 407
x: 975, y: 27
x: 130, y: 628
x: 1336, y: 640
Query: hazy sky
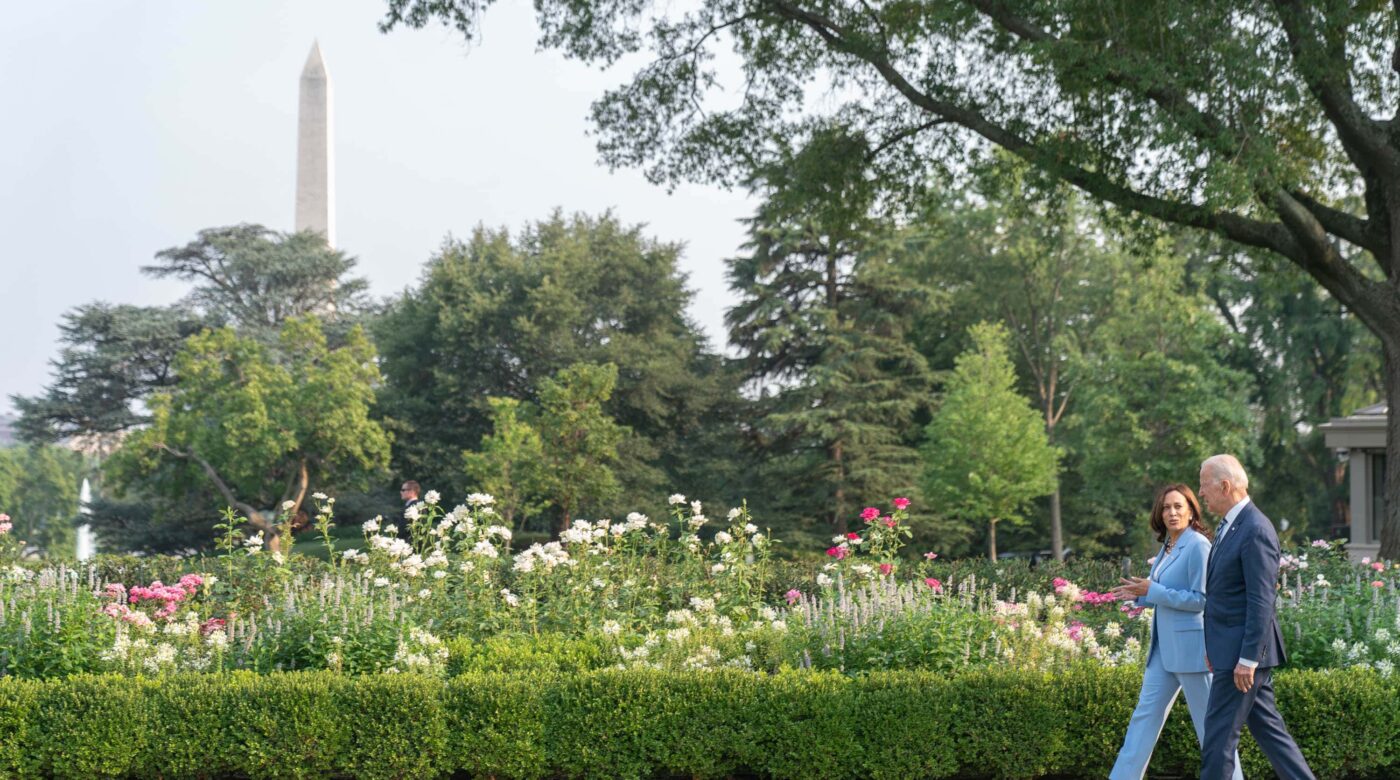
x: 130, y: 125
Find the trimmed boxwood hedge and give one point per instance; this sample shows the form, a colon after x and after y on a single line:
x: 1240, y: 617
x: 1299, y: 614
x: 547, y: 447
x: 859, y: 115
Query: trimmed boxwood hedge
x: 636, y: 724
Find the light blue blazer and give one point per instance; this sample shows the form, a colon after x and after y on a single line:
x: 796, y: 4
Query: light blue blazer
x: 1177, y: 594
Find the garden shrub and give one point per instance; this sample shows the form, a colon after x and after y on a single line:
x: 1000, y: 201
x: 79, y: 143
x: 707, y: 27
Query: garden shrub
x: 649, y: 723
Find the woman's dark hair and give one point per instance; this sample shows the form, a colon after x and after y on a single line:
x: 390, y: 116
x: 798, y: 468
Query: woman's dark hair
x: 1159, y: 526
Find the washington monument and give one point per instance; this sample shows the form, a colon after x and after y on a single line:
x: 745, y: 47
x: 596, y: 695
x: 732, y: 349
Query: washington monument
x: 315, y: 150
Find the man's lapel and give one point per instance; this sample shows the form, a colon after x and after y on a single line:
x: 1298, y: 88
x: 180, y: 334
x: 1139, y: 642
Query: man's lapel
x: 1231, y: 531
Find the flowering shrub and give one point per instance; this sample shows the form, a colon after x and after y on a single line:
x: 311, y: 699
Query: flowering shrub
x: 636, y: 593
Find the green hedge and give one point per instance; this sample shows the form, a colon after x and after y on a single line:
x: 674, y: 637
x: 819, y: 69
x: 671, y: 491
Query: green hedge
x: 648, y: 724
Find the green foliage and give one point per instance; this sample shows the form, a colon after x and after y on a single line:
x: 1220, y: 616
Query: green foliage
x: 508, y: 465
x: 822, y: 326
x: 39, y: 487
x: 261, y: 431
x: 1156, y: 400
x: 987, y: 455
x: 1276, y: 136
x: 579, y: 440
x: 496, y: 315
x: 1000, y: 723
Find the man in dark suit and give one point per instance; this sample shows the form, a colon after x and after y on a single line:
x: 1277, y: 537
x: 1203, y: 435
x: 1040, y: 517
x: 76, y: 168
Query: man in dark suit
x: 410, y: 493
x: 1243, y: 642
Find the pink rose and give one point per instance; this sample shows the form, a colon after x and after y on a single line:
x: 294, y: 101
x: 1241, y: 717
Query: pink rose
x: 853, y: 536
x: 886, y: 568
x: 930, y: 555
x: 838, y: 552
x: 901, y: 503
x: 890, y: 522
x: 869, y: 513
x: 1378, y: 566
x: 1378, y: 584
x: 933, y: 582
x: 793, y: 596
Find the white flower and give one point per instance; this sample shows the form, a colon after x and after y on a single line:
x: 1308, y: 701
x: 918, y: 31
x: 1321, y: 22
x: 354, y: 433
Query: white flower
x: 698, y: 520
x: 279, y: 557
x: 480, y: 499
x: 511, y: 598
x: 439, y: 574
x: 432, y: 497
x: 499, y: 530
x: 411, y: 513
x: 217, y: 639
x: 485, y: 549
x: 823, y: 580
x: 702, y: 605
x: 717, y: 568
x: 758, y: 540
x: 611, y: 627
x: 424, y: 593
x: 254, y: 542
x: 676, y: 498
x: 287, y: 505
x: 733, y: 513
x: 696, y: 508
x: 380, y: 582
x: 1113, y: 630
x: 1385, y: 667
x: 1382, y: 635
x: 319, y: 496
x: 372, y: 526
x: 750, y: 528
x: 723, y: 538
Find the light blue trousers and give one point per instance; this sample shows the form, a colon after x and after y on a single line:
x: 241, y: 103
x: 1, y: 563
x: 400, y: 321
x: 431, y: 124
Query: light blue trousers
x: 1159, y: 689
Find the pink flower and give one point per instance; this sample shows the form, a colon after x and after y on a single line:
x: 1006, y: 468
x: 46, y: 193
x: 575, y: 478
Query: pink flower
x: 1060, y: 584
x: 930, y: 555
x: 838, y: 552
x: 212, y: 624
x: 1378, y: 584
x: 853, y: 536
x: 869, y: 513
x: 901, y: 503
x: 886, y: 568
x: 933, y: 582
x: 191, y: 582
x: 793, y: 596
x: 890, y: 522
x: 1378, y: 566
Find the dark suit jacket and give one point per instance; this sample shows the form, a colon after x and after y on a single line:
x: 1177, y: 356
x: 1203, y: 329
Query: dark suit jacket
x: 1240, y: 618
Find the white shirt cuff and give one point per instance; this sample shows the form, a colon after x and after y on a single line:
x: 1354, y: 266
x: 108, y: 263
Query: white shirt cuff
x: 1249, y: 663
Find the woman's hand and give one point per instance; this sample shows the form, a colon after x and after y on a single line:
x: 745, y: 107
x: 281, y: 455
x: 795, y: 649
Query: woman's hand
x: 1132, y: 587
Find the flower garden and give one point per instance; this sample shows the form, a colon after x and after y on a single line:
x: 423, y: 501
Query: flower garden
x: 642, y: 647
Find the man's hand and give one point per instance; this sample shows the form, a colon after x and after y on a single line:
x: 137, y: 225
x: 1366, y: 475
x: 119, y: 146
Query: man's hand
x: 1132, y: 587
x: 1244, y: 677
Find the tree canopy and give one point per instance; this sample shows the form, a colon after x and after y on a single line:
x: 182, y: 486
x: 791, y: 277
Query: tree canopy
x: 1273, y: 124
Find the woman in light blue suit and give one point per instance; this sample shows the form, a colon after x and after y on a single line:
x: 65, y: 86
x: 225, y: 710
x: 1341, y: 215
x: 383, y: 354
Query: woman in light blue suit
x: 1176, y: 660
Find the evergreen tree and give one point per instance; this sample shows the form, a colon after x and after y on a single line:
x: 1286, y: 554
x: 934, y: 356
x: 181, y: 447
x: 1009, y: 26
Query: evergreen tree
x: 508, y: 466
x: 986, y: 455
x: 822, y: 330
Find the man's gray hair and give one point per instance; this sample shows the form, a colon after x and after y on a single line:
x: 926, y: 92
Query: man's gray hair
x: 1226, y: 467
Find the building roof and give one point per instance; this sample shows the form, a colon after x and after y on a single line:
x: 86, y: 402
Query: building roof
x: 1362, y: 429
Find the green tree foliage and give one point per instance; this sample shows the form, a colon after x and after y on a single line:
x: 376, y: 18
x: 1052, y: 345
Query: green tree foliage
x: 1155, y: 400
x: 579, y: 440
x: 39, y: 487
x: 1311, y: 360
x: 822, y: 328
x: 1278, y: 135
x: 115, y: 356
x: 261, y: 431
x: 509, y: 464
x: 498, y: 314
x: 987, y: 456
x: 1045, y: 268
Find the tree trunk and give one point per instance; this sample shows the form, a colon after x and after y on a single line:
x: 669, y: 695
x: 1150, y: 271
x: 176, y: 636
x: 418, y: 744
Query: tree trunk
x: 840, y: 509
x: 992, y: 541
x: 1390, y: 520
x: 1057, y: 540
